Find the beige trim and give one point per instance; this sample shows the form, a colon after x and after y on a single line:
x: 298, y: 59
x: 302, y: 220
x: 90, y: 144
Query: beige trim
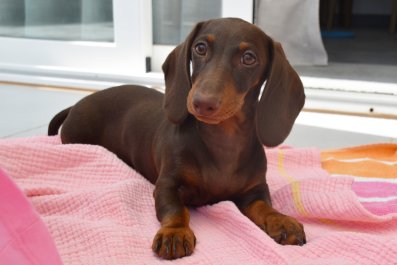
x: 357, y: 114
x: 49, y: 87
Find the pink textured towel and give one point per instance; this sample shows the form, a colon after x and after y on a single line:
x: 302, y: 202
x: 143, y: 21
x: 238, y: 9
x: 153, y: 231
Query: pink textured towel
x: 100, y: 211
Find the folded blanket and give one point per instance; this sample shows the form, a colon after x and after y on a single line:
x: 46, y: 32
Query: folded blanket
x: 100, y: 211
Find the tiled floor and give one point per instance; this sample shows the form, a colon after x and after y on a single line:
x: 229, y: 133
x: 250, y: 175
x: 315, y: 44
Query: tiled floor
x: 26, y: 111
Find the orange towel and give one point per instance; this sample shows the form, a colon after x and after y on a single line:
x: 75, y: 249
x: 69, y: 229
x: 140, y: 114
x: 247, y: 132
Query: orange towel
x: 374, y: 161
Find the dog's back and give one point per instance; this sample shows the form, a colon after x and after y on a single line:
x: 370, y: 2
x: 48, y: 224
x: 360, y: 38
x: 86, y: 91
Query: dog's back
x: 116, y: 118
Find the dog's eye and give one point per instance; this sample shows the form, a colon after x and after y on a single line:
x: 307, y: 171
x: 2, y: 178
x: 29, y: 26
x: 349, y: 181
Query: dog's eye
x: 248, y: 58
x: 201, y: 48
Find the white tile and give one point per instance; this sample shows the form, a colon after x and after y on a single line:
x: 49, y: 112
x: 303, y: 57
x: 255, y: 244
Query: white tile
x: 25, y: 108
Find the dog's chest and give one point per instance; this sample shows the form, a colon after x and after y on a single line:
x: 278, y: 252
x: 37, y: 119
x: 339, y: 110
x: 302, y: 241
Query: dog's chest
x: 208, y: 184
x: 220, y: 167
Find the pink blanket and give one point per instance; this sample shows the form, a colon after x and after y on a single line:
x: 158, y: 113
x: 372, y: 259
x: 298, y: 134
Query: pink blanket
x: 100, y: 211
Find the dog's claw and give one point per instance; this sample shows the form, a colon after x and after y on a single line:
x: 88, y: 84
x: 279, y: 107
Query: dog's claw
x: 167, y: 247
x: 175, y: 242
x: 187, y: 248
x: 283, y: 236
x: 157, y: 246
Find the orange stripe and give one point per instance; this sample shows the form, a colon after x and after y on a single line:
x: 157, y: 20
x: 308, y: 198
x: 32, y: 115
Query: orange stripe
x: 371, y: 169
x: 365, y: 168
x: 386, y: 152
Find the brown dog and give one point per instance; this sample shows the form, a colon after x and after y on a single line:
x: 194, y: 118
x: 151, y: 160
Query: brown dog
x: 206, y: 145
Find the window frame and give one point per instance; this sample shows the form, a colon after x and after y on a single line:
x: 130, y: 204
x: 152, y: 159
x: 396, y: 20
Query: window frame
x: 57, y: 58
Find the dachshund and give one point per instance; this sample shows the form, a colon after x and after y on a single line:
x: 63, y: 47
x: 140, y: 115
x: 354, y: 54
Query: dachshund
x: 202, y: 141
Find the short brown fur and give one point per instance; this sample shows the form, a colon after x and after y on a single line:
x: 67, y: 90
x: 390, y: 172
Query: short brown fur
x: 206, y: 144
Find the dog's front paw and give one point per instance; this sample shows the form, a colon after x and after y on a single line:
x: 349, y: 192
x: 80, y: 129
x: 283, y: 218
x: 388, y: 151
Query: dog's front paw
x: 285, y: 230
x: 173, y: 243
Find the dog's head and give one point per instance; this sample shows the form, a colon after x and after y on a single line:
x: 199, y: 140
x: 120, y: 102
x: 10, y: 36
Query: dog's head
x: 230, y: 59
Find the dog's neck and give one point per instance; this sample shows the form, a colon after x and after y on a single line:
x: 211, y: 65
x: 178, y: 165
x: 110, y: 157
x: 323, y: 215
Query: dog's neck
x: 232, y: 139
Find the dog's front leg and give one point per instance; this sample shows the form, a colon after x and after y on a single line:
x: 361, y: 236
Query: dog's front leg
x: 174, y: 239
x: 283, y: 229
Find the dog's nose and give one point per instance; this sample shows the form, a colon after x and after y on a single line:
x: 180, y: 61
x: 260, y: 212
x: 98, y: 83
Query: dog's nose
x: 205, y: 105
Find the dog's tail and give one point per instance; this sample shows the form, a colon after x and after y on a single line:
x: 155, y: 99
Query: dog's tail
x: 57, y: 121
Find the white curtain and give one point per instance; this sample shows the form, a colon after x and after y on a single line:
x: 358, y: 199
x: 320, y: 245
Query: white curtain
x: 294, y: 23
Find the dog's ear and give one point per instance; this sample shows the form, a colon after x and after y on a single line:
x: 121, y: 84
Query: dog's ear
x: 282, y: 100
x: 176, y: 70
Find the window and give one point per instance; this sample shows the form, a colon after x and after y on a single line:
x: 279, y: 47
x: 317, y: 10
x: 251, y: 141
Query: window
x: 173, y: 20
x: 73, y: 42
x: 73, y: 20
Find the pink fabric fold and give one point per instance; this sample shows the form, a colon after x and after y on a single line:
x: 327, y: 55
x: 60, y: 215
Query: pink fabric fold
x: 100, y: 211
x: 24, y: 239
